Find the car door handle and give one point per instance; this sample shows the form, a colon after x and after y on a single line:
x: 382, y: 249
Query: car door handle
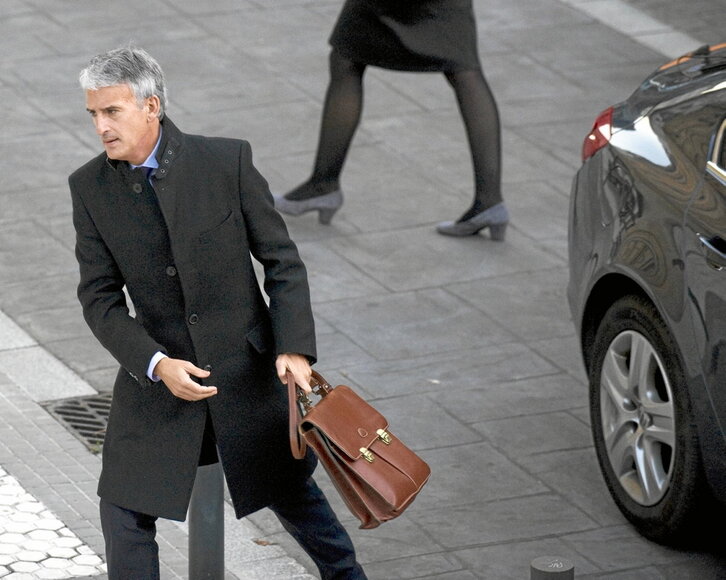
x: 715, y: 251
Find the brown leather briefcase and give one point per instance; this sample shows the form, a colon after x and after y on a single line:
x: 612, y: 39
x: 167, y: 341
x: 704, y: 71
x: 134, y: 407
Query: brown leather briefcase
x: 375, y: 473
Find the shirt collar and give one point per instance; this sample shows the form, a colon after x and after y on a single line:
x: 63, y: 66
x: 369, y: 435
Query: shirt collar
x: 151, y: 161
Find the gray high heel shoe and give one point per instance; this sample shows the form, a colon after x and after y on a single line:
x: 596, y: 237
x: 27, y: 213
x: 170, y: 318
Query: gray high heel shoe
x: 326, y: 205
x: 496, y: 218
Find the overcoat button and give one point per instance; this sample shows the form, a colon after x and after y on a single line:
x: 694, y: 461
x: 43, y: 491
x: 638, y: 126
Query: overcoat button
x: 170, y: 271
x: 193, y: 319
x: 137, y: 188
x: 208, y: 368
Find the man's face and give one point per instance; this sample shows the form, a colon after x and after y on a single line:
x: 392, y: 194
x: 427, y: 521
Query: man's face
x: 128, y: 132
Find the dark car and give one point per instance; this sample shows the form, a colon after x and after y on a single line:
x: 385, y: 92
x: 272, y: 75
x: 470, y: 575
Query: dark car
x: 647, y: 290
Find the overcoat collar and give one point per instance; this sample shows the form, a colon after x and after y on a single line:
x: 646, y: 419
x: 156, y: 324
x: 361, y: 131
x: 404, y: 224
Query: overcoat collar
x: 168, y: 151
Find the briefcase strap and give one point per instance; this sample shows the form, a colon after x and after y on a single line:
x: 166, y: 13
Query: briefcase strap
x: 297, y: 443
x: 299, y: 403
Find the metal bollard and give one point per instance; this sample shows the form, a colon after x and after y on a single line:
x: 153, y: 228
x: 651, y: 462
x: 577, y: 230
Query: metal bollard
x: 551, y: 568
x: 206, y: 524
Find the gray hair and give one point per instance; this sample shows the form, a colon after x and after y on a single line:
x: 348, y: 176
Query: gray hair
x: 126, y: 66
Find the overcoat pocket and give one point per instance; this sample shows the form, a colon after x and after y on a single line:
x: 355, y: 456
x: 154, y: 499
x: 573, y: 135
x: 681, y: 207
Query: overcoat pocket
x: 209, y: 233
x: 260, y: 337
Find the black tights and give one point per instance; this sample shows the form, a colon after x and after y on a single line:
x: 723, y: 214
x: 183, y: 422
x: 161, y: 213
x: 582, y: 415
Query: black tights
x: 341, y: 116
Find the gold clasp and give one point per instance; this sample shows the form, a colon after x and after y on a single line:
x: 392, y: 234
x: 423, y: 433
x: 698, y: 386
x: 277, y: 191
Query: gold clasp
x: 367, y: 455
x: 384, y: 436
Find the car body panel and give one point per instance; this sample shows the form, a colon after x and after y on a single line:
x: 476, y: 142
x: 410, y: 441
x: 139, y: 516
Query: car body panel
x: 640, y: 209
x: 705, y: 270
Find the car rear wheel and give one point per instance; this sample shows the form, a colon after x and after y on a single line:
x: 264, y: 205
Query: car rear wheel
x: 642, y: 423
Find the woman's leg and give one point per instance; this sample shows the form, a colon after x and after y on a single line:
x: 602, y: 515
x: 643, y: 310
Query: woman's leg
x: 341, y: 115
x: 481, y: 119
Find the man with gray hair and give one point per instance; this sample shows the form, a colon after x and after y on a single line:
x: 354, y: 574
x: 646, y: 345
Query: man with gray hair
x: 174, y: 219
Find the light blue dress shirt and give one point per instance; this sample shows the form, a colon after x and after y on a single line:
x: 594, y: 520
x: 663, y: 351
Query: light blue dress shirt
x: 151, y: 161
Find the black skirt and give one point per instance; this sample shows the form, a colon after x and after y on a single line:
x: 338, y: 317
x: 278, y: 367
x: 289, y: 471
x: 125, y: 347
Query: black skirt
x: 408, y: 35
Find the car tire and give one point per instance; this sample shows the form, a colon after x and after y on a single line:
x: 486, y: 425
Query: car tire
x: 642, y: 423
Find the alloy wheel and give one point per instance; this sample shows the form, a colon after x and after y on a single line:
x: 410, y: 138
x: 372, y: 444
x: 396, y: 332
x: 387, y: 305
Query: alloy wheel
x: 638, y: 417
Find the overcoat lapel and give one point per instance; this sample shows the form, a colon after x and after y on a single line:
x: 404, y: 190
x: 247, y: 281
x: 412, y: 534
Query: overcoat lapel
x: 166, y: 179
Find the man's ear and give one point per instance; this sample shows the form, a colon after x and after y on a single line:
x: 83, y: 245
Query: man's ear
x: 153, y: 106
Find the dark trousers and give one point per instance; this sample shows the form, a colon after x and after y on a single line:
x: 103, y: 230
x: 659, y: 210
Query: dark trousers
x: 132, y: 551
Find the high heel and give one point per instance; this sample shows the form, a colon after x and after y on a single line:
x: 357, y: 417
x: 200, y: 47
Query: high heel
x: 326, y: 205
x: 496, y: 218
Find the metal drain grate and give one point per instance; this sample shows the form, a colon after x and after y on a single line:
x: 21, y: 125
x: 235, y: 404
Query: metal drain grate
x: 85, y: 417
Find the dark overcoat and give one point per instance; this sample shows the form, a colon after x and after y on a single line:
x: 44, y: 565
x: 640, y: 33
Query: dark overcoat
x: 182, y: 250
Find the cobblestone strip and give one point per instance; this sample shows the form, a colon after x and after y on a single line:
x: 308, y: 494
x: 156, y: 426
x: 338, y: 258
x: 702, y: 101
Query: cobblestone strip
x: 34, y: 543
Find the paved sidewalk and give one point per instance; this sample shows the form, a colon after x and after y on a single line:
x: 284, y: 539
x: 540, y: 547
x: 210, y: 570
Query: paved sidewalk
x: 465, y: 345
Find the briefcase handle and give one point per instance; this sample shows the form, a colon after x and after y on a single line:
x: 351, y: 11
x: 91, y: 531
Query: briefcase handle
x: 319, y: 384
x: 299, y: 403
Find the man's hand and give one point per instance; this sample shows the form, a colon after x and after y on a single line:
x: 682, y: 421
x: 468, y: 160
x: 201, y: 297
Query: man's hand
x: 175, y: 373
x: 296, y: 364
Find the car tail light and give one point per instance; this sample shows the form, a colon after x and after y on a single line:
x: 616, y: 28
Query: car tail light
x: 599, y: 135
